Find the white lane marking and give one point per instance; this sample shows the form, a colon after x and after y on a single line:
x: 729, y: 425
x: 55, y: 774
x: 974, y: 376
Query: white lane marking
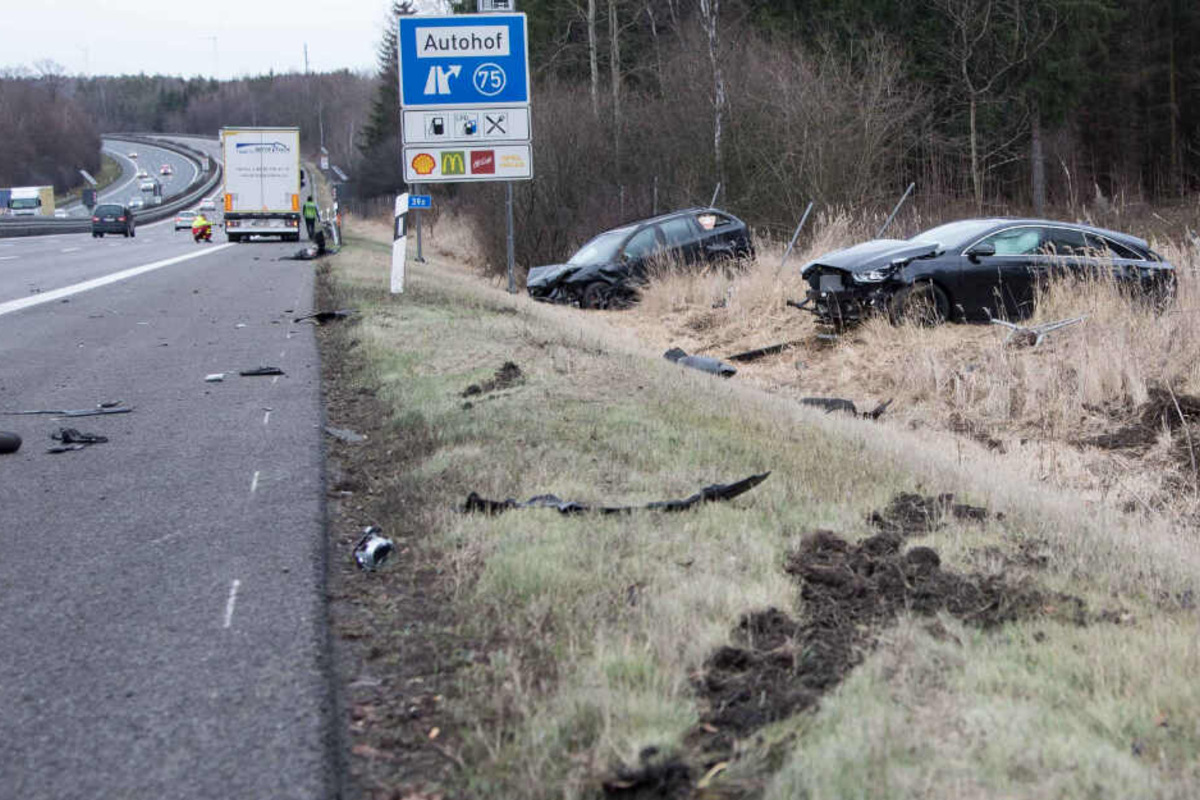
x: 96, y: 283
x: 229, y: 604
x: 70, y: 249
x: 275, y: 380
x: 9, y: 258
x: 254, y: 482
x: 266, y: 417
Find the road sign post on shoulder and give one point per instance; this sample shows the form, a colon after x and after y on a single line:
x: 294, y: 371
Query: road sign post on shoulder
x: 399, y: 243
x: 420, y: 201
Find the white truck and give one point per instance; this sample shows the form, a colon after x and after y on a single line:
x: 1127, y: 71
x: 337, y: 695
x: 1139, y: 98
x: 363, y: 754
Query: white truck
x: 31, y: 201
x: 262, y: 182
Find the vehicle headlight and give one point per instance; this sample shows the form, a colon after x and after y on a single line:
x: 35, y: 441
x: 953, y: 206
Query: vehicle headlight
x: 874, y: 276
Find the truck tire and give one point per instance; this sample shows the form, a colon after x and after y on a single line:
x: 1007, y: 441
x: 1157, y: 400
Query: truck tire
x: 9, y: 442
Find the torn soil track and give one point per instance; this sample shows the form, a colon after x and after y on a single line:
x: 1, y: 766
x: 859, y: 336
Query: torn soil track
x: 779, y: 665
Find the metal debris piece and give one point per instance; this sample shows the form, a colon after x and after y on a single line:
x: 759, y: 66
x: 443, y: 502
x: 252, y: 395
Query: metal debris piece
x: 372, y: 549
x: 1032, y: 336
x: 703, y: 363
x: 82, y: 412
x: 831, y: 404
x: 75, y: 436
x: 770, y: 350
x: 346, y: 435
x: 262, y: 371
x: 321, y: 317
x: 215, y: 377
x: 709, y: 494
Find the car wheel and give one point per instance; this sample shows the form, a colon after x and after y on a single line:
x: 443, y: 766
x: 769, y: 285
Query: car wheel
x: 595, y: 295
x: 923, y: 303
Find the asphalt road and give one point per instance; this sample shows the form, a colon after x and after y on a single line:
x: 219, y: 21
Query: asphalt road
x: 149, y: 158
x: 164, y: 616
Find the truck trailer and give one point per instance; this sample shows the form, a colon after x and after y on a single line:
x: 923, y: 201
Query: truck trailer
x: 262, y: 182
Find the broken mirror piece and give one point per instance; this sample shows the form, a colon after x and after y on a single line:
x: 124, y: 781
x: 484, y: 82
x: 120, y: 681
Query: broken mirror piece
x: 373, y: 549
x: 715, y: 493
x: 702, y: 363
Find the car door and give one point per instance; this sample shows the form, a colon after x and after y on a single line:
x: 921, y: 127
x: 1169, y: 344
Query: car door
x: 999, y: 273
x: 681, y: 237
x: 1063, y: 252
x: 640, y: 250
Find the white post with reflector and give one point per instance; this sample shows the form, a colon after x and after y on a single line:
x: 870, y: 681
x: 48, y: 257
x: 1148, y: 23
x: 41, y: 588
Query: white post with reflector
x: 399, y: 243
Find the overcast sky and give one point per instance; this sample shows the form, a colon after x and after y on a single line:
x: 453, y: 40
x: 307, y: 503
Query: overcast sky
x: 226, y: 38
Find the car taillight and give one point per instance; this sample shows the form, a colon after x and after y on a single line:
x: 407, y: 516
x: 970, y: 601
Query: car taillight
x: 120, y: 219
x: 95, y: 219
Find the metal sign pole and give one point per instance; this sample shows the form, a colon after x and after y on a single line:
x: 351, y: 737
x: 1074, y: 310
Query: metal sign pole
x: 417, y: 221
x: 512, y: 284
x: 795, y: 235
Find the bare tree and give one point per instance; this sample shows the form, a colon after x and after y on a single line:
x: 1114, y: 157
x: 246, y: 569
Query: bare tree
x: 593, y: 59
x: 614, y: 63
x: 989, y: 40
x: 710, y: 12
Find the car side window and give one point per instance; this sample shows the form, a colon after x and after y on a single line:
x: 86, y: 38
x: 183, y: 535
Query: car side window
x: 678, y: 231
x: 712, y: 221
x: 643, y: 244
x: 1107, y: 247
x: 1016, y: 241
x: 1063, y: 242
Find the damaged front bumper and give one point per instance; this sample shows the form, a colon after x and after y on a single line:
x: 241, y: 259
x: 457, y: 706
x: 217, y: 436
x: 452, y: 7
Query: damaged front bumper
x: 838, y: 300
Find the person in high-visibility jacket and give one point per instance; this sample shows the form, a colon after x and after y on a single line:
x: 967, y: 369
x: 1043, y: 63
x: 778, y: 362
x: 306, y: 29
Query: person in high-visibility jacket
x: 310, y: 215
x: 201, y: 228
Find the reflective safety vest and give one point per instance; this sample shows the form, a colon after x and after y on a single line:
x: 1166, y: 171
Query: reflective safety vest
x: 310, y: 210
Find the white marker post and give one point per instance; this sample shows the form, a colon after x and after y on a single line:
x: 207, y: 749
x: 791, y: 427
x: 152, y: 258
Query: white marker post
x: 399, y: 243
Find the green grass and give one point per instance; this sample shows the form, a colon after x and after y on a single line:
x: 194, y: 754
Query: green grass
x: 595, y: 626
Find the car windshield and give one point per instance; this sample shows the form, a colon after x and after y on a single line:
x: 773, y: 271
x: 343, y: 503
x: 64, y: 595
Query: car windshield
x: 602, y: 249
x: 953, y: 235
x: 25, y: 202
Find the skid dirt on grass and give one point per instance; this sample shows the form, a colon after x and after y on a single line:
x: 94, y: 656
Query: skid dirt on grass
x: 947, y: 645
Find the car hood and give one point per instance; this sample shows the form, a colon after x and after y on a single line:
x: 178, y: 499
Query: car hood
x: 548, y: 276
x: 874, y: 254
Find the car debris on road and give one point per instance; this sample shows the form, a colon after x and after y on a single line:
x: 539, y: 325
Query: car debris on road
x: 715, y: 493
x: 322, y: 317
x: 345, y: 434
x: 373, y: 549
x: 261, y: 371
x: 1032, y: 336
x: 82, y: 412
x: 73, y: 439
x: 9, y: 442
x: 703, y: 363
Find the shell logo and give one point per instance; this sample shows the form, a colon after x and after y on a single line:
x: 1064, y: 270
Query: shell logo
x: 424, y: 164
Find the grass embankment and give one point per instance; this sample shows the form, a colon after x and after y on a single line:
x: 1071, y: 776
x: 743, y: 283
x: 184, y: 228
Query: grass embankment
x: 110, y: 170
x: 593, y: 636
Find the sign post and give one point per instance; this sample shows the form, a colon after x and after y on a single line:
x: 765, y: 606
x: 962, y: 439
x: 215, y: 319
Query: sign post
x: 464, y: 95
x: 399, y: 243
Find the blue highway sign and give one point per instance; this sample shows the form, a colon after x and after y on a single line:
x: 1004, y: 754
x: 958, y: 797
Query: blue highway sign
x: 420, y: 201
x: 463, y: 60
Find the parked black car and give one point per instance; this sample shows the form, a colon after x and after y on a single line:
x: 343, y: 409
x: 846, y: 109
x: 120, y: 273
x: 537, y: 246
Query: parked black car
x: 607, y: 271
x: 975, y: 269
x: 112, y: 218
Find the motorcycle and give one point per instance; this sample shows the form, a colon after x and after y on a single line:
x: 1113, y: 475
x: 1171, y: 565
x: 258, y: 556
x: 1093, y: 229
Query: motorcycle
x: 203, y: 233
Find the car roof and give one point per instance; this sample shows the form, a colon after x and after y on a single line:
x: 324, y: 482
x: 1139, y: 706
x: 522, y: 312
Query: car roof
x: 1079, y: 226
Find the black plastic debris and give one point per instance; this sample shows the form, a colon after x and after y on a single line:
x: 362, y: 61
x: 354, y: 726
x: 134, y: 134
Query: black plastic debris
x: 346, y: 435
x: 832, y: 404
x: 261, y: 371
x: 372, y: 549
x: 717, y: 492
x: 322, y: 317
x: 9, y: 442
x: 82, y: 412
x: 762, y: 352
x: 702, y: 363
x: 73, y: 439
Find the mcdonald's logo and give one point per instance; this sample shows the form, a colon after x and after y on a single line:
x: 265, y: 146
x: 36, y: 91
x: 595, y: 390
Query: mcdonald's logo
x: 454, y: 163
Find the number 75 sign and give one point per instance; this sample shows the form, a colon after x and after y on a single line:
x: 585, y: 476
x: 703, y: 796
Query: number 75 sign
x: 463, y: 60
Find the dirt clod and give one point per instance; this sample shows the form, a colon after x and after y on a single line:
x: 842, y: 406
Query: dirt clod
x: 910, y: 514
x: 507, y: 376
x: 1151, y: 417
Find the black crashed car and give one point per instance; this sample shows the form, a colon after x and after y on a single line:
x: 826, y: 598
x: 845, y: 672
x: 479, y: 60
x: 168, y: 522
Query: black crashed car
x: 975, y: 270
x: 112, y: 218
x: 607, y: 271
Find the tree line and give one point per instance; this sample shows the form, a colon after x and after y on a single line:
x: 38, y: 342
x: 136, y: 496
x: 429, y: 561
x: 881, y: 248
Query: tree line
x: 989, y: 106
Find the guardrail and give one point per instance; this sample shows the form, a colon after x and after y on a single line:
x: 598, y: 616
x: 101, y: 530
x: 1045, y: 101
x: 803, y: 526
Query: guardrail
x: 193, y: 193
